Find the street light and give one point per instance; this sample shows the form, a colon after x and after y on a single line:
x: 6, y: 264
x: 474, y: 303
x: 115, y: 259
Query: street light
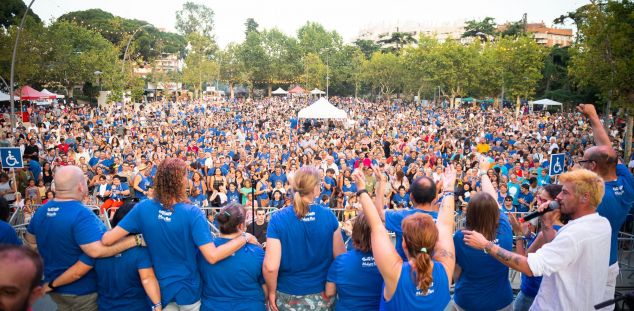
x: 98, y: 74
x: 125, y: 54
x: 15, y: 49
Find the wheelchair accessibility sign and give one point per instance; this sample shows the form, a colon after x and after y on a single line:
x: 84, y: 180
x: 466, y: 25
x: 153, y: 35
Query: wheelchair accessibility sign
x: 11, y: 158
x: 557, y: 164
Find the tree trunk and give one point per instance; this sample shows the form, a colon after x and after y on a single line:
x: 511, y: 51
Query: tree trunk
x: 69, y: 91
x: 628, y: 135
x: 232, y: 95
x: 517, y: 106
x: 502, y: 99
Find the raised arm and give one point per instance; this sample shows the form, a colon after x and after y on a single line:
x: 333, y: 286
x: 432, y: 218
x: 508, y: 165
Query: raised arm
x: 601, y: 137
x: 387, y: 259
x: 444, y: 250
x: 379, y: 192
x: 215, y: 254
x: 485, y: 181
x: 508, y: 258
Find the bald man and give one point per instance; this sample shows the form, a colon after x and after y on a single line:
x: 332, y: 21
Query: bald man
x: 63, y: 229
x: 619, y: 188
x: 20, y: 277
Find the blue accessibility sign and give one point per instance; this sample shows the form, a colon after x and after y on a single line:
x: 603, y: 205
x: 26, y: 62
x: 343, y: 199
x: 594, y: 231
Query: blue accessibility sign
x: 557, y: 164
x: 11, y: 158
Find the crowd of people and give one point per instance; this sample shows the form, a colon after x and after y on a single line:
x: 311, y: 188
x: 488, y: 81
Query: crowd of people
x: 162, y: 172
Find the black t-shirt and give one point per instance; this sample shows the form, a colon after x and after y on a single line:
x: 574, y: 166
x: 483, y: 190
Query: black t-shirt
x: 260, y: 231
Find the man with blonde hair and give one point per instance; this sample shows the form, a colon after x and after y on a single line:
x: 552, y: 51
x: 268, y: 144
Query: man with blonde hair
x: 573, y: 262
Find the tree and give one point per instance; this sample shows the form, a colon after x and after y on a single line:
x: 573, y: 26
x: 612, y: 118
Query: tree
x: 229, y: 64
x: 250, y: 25
x: 254, y: 64
x: 11, y: 12
x: 357, y: 67
x: 29, y: 55
x: 196, y: 18
x: 421, y: 70
x: 74, y: 54
x: 314, y: 71
x: 482, y: 29
x: 281, y: 57
x: 522, y: 60
x: 395, y: 41
x: 384, y: 72
x: 313, y: 38
x: 603, y: 56
x: 368, y: 47
x: 199, y: 67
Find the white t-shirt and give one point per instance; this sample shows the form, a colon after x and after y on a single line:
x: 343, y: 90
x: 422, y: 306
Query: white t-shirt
x: 574, y: 265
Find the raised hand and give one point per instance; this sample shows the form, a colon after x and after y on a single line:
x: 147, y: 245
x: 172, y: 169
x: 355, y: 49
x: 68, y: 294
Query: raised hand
x: 449, y: 178
x: 359, y: 179
x: 587, y: 109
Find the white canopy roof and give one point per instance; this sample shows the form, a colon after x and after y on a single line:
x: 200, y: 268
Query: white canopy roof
x: 279, y: 91
x: 316, y: 91
x: 5, y: 97
x: 546, y: 102
x: 322, y: 109
x: 47, y: 92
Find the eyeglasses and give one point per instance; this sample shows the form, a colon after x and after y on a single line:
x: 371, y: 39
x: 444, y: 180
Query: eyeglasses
x: 508, y: 200
x: 581, y: 162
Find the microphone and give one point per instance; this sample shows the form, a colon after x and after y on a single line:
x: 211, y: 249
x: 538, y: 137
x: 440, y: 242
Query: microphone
x: 553, y: 205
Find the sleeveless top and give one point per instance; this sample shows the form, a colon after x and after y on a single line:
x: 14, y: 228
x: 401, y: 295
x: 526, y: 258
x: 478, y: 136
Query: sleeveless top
x: 143, y: 184
x: 408, y: 297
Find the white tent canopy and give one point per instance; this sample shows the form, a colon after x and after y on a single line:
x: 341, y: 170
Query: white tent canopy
x: 5, y: 97
x: 47, y: 92
x: 546, y: 102
x: 279, y: 91
x: 322, y: 109
x: 317, y: 91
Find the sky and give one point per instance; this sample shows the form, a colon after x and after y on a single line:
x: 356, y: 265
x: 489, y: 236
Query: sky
x: 347, y: 17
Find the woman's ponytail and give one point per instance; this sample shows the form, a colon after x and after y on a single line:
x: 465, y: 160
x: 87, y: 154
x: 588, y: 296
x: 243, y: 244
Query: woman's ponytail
x: 299, y: 206
x: 424, y: 268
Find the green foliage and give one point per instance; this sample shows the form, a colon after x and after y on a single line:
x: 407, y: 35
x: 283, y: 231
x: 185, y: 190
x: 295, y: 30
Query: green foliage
x: 148, y: 43
x: 313, y: 38
x: 199, y: 65
x: 368, y: 47
x: 197, y: 18
x: 396, y: 41
x: 485, y: 27
x: 603, y: 55
x: 384, y: 72
x: 29, y: 54
x: 314, y: 72
x: 11, y: 12
x: 251, y: 26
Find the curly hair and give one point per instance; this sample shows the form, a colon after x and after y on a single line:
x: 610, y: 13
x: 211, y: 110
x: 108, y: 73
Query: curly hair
x: 170, y: 183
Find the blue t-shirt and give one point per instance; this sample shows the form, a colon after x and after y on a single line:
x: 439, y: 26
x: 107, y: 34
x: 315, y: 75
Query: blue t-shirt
x: 234, y: 283
x: 144, y: 184
x: 484, y: 281
x: 306, y: 248
x: 399, y: 199
x: 233, y: 197
x: 275, y: 178
x: 616, y: 203
x: 393, y: 221
x: 60, y: 227
x: 328, y: 181
x: 528, y: 198
x: 408, y: 297
x: 36, y: 169
x: 119, y: 285
x: 8, y: 235
x: 359, y: 283
x: 173, y: 238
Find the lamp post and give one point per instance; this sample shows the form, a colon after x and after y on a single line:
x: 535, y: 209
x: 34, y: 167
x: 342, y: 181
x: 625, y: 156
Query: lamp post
x: 125, y: 54
x: 15, y: 49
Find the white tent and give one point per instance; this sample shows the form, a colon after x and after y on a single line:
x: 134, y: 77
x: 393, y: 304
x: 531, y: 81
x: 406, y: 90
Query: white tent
x: 279, y: 91
x: 5, y: 97
x: 322, y: 109
x: 47, y: 92
x: 316, y: 91
x: 546, y: 102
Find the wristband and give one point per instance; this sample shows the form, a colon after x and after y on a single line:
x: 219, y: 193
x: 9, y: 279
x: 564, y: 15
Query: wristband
x: 156, y: 305
x: 362, y: 191
x: 50, y: 285
x: 246, y: 238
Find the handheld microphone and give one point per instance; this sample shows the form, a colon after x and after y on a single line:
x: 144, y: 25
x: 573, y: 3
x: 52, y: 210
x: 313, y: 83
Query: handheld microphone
x: 553, y: 205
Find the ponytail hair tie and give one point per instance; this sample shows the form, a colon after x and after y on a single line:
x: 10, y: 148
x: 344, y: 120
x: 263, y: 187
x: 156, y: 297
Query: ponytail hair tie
x: 423, y: 250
